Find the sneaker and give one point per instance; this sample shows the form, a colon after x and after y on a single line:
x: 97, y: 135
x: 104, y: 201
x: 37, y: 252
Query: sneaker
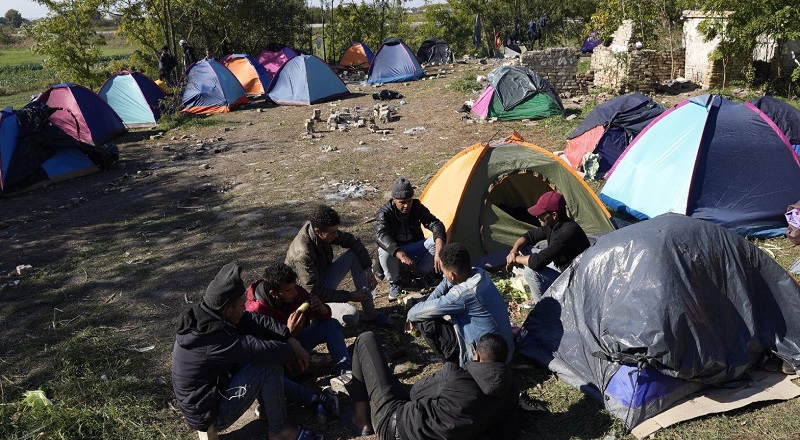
x: 211, y: 434
x: 328, y: 406
x: 259, y: 412
x: 394, y: 291
x: 339, y: 383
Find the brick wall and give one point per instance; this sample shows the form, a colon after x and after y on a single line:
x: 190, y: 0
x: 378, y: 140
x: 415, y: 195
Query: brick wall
x: 635, y: 70
x: 558, y: 66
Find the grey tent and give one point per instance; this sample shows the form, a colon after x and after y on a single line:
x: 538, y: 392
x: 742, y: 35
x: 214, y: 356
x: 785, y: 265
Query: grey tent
x: 657, y: 310
x: 434, y: 50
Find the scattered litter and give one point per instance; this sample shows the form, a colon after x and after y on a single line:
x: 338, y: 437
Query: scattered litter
x: 414, y: 130
x: 36, y: 399
x: 328, y: 148
x: 351, y: 189
x: 403, y: 102
x: 24, y: 269
x: 103, y: 377
x: 12, y: 283
x: 143, y: 349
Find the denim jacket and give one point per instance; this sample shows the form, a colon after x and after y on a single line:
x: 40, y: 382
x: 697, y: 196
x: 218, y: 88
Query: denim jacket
x: 475, y: 308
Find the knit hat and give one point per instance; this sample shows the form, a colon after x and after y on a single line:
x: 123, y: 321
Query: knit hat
x: 226, y: 287
x: 402, y: 189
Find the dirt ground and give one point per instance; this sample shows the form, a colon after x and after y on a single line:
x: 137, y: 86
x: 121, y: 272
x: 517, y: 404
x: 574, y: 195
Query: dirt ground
x: 128, y: 248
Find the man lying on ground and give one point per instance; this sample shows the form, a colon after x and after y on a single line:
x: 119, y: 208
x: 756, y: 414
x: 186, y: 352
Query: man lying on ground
x: 454, y: 403
x: 224, y: 358
x: 472, y: 301
x: 311, y: 257
x: 398, y: 225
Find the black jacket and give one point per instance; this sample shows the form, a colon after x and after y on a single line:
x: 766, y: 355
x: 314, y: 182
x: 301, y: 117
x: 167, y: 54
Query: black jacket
x: 455, y: 403
x: 394, y: 229
x: 207, y: 352
x: 189, y: 57
x: 565, y: 241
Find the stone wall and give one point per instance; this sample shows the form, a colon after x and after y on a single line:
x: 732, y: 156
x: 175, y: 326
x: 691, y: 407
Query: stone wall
x: 637, y: 70
x: 557, y: 65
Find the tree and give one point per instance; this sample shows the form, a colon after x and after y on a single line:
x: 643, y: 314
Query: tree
x: 747, y: 22
x: 13, y: 18
x: 68, y: 40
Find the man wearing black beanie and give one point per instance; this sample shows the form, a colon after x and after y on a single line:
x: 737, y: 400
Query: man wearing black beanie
x: 224, y: 358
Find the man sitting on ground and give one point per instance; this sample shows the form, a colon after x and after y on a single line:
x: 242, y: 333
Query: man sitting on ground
x: 277, y: 295
x: 472, y: 301
x: 224, y: 358
x: 477, y: 401
x: 311, y: 257
x: 399, y: 235
x: 565, y: 241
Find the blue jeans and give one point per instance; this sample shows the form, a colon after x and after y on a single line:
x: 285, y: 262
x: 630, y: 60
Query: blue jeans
x: 421, y: 252
x: 265, y: 382
x: 332, y: 276
x: 329, y: 332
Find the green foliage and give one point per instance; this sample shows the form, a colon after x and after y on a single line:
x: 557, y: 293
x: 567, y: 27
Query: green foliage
x: 13, y: 18
x: 649, y: 17
x: 367, y: 23
x: 69, y: 41
x: 466, y: 84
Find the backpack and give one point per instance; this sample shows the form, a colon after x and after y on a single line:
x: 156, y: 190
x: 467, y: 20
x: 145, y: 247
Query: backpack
x: 793, y: 218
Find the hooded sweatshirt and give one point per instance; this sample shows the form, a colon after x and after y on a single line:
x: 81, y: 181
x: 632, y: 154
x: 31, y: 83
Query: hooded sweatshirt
x: 456, y: 403
x: 207, y: 352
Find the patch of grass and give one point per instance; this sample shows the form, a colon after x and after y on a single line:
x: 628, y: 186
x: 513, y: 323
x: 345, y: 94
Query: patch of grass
x: 466, y: 84
x: 99, y: 389
x: 584, y: 66
x: 172, y: 121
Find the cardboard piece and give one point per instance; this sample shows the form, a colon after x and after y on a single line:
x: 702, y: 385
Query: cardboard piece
x: 765, y: 386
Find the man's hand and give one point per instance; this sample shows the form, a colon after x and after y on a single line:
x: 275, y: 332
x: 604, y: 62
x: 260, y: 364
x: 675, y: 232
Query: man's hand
x: 360, y: 295
x: 437, y: 263
x: 301, y: 357
x: 296, y: 322
x: 511, y: 260
x: 317, y: 305
x: 372, y: 282
x: 406, y: 260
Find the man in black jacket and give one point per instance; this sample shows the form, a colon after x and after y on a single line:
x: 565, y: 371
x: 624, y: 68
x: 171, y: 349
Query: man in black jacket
x: 454, y: 403
x: 166, y: 66
x: 565, y: 241
x: 224, y: 358
x: 189, y: 57
x: 399, y: 234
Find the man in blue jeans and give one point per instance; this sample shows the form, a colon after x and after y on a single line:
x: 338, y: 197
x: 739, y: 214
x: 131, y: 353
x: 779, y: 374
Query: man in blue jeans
x: 472, y: 301
x: 565, y: 241
x: 311, y: 256
x: 398, y: 225
x: 224, y: 358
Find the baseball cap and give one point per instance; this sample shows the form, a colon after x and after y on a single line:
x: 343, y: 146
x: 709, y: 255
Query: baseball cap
x: 550, y: 201
x: 182, y: 42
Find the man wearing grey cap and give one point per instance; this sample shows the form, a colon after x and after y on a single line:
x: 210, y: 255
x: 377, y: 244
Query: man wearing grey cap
x: 400, y: 239
x: 224, y: 358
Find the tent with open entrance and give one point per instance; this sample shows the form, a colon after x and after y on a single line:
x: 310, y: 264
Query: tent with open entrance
x: 82, y: 114
x: 394, y: 62
x: 304, y: 80
x: 134, y: 97
x: 211, y: 88
x: 660, y: 309
x: 482, y: 195
x: 609, y: 128
x: 253, y: 77
x: 356, y: 56
x: 434, y: 50
x: 712, y: 159
x: 516, y: 92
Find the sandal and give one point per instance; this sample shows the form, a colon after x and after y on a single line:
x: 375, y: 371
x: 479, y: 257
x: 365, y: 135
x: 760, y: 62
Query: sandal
x: 347, y: 422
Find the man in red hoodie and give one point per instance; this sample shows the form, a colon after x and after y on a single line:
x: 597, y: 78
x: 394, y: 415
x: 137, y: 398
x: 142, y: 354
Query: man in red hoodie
x: 278, y: 296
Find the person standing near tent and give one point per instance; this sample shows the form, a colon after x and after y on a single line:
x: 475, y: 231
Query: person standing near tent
x: 189, y: 57
x: 311, y: 256
x: 224, y: 358
x: 472, y: 301
x: 209, y: 54
x: 476, y: 401
x: 565, y: 241
x: 166, y: 66
x: 398, y: 225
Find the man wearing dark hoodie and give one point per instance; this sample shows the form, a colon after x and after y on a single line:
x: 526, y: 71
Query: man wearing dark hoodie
x: 454, y: 403
x: 224, y: 358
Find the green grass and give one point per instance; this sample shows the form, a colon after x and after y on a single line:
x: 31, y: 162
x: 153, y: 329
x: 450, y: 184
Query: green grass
x: 466, y: 84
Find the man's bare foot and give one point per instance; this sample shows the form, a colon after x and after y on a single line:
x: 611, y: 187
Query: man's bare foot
x: 287, y: 434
